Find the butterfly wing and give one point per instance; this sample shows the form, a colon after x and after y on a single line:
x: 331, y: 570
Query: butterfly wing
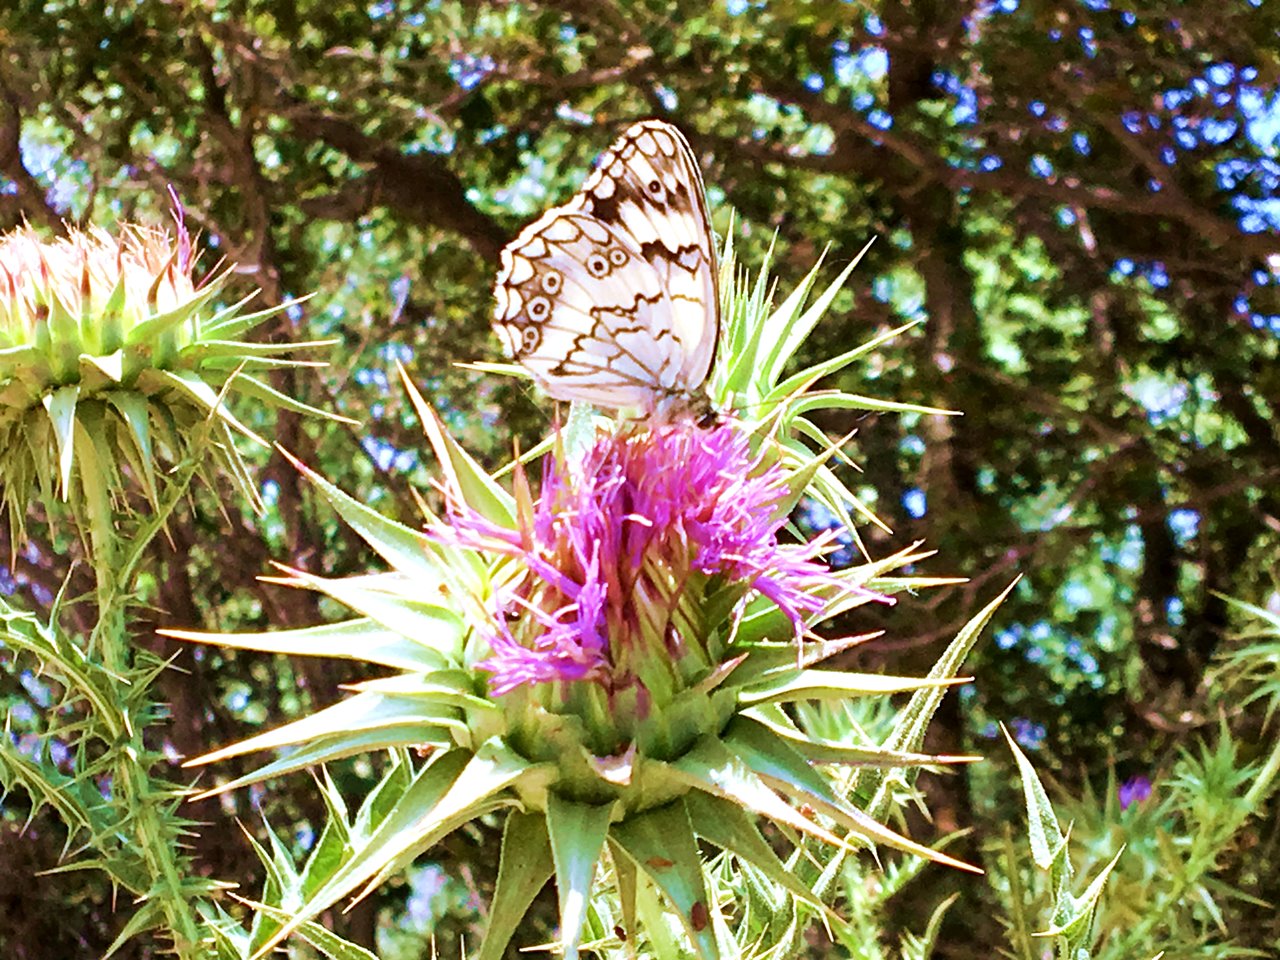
x: 649, y: 187
x: 611, y: 299
x: 586, y: 315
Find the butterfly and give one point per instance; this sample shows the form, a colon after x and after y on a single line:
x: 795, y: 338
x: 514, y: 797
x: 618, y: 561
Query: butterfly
x: 612, y: 298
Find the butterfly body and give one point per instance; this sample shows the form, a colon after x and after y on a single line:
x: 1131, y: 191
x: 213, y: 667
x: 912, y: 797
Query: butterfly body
x: 611, y: 299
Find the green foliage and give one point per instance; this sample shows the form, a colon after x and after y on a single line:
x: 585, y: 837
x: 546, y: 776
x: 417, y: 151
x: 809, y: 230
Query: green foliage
x: 1071, y: 917
x: 1161, y: 850
x: 1073, y: 205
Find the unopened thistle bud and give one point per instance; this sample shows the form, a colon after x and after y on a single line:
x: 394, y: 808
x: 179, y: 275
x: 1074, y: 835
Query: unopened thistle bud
x: 112, y: 358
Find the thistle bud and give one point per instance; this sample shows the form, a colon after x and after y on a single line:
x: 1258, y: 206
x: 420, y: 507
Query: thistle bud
x: 113, y: 358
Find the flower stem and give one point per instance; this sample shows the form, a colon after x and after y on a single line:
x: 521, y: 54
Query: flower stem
x: 117, y: 558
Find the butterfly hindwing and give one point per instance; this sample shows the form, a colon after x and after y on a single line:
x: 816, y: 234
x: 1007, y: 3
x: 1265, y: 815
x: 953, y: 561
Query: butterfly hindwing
x: 585, y: 314
x: 611, y: 298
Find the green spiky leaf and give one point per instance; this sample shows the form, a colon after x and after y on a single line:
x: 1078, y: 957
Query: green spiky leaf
x: 524, y: 867
x: 662, y: 846
x: 577, y: 832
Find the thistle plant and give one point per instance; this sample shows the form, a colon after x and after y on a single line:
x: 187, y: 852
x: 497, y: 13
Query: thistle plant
x: 115, y: 363
x: 614, y: 661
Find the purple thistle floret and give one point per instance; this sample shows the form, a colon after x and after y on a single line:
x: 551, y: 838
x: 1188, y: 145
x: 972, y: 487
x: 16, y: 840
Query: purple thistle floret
x: 610, y: 536
x: 1134, y: 790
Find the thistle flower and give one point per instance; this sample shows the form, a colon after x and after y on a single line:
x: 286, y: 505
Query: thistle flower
x: 642, y: 526
x: 611, y: 664
x: 113, y: 357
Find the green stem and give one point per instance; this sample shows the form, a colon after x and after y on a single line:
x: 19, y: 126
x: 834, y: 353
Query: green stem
x: 116, y: 579
x: 1018, y: 928
x: 157, y: 841
x: 145, y: 796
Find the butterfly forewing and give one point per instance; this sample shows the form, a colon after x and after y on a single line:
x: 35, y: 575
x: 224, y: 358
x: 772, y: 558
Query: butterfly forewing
x: 611, y: 298
x: 648, y: 184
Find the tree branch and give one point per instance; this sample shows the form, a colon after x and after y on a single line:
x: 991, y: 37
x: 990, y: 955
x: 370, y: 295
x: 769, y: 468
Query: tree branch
x: 420, y: 187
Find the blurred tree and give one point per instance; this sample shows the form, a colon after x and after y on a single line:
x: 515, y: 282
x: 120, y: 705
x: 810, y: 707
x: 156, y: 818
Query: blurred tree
x: 1079, y: 199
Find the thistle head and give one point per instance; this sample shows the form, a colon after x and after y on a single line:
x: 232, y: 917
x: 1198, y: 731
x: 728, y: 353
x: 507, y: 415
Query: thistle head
x: 619, y: 654
x: 114, y: 357
x: 108, y: 284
